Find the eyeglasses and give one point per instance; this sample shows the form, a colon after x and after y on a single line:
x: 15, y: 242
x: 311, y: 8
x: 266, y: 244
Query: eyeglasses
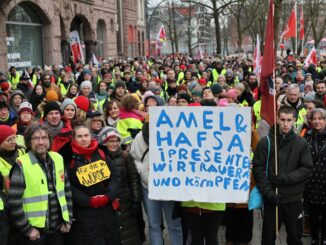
x: 96, y: 120
x: 112, y: 142
x: 43, y: 138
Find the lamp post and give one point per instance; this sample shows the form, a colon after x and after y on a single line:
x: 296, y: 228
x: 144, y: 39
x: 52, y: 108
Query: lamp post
x: 149, y: 22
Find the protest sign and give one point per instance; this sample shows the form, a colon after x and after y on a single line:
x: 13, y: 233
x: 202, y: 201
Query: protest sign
x: 93, y: 173
x: 200, y: 154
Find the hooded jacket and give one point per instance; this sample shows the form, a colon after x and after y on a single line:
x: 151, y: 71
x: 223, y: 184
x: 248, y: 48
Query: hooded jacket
x: 294, y: 164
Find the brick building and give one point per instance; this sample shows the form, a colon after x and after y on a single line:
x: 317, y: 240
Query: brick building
x: 35, y: 32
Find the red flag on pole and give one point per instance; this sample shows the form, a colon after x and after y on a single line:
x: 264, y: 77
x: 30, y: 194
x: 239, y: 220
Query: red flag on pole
x: 311, y: 58
x: 266, y: 82
x: 301, y: 27
x: 161, y: 34
x: 290, y: 28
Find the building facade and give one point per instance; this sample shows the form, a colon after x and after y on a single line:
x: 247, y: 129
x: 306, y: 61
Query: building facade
x: 36, y: 32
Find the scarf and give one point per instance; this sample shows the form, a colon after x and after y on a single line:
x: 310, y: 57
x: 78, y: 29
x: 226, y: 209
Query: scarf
x: 86, y: 152
x: 55, y: 130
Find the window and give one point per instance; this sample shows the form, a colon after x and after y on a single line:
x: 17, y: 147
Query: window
x: 101, y: 35
x: 24, y: 37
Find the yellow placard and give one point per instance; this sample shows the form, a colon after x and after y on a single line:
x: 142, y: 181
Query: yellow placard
x: 93, y: 173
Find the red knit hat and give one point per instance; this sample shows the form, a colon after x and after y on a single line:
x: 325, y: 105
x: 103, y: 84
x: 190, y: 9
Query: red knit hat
x: 5, y: 86
x: 5, y: 132
x: 202, y: 81
x: 82, y: 103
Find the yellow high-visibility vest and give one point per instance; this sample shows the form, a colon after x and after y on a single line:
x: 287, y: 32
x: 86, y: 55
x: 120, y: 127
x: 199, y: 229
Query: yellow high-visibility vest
x: 36, y: 193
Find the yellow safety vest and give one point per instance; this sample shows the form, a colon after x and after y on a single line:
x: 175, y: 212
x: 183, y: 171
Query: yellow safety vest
x: 63, y: 89
x: 215, y: 74
x: 128, y: 123
x: 204, y: 205
x: 36, y: 193
x: 301, y: 116
x: 14, y: 80
x: 5, y: 167
x: 181, y: 75
x: 2, y: 206
x: 257, y: 108
x: 34, y: 79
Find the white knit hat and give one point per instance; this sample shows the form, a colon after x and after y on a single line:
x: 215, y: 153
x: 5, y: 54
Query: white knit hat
x: 107, y: 133
x: 86, y: 84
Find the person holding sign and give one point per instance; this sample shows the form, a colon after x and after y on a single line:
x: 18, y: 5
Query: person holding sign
x: 39, y: 195
x: 284, y: 188
x: 154, y: 208
x: 95, y: 184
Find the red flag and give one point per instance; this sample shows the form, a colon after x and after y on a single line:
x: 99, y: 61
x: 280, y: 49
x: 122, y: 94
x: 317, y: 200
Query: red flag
x: 301, y: 27
x: 266, y: 82
x: 311, y: 58
x: 290, y: 28
x: 161, y: 35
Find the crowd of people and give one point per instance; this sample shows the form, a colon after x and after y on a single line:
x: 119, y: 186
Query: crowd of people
x: 74, y: 151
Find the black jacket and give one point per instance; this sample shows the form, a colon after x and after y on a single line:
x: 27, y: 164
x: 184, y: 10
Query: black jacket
x: 129, y: 195
x: 294, y: 164
x: 315, y: 191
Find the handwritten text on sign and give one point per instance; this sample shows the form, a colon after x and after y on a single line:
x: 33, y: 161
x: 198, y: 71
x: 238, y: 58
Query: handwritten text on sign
x: 199, y: 153
x: 93, y: 173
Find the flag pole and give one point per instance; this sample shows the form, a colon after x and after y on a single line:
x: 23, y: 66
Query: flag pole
x: 296, y: 28
x: 302, y: 26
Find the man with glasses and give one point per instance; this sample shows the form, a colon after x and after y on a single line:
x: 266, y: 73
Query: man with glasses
x: 39, y: 195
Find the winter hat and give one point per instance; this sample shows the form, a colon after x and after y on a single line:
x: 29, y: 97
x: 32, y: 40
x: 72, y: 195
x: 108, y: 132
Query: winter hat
x: 93, y: 113
x: 111, y: 86
x: 184, y: 96
x: 67, y: 102
x: 51, y: 106
x: 181, y: 87
x: 309, y: 83
x: 216, y: 89
x: 107, y: 133
x: 87, y: 72
x: 196, y: 91
x: 159, y: 100
x: 51, y: 95
x: 193, y: 84
x: 25, y: 106
x: 82, y: 103
x: 232, y: 93
x: 5, y: 132
x: 202, y: 81
x: 119, y: 84
x: 309, y: 97
x: 223, y: 102
x: 5, y: 86
x: 86, y: 84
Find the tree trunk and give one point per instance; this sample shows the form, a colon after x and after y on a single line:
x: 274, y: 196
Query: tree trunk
x: 217, y: 33
x: 175, y: 29
x: 277, y: 16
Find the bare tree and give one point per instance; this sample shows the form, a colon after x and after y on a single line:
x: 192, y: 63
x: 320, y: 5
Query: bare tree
x: 244, y: 14
x: 315, y: 21
x: 216, y: 8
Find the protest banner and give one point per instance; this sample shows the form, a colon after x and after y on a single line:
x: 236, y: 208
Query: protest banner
x: 93, y: 173
x: 76, y: 47
x: 200, y: 154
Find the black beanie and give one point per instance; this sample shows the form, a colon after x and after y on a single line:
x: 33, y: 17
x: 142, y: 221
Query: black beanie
x: 184, y: 96
x: 51, y: 106
x: 216, y: 89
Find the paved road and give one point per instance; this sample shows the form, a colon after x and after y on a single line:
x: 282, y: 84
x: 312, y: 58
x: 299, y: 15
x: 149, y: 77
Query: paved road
x: 281, y: 239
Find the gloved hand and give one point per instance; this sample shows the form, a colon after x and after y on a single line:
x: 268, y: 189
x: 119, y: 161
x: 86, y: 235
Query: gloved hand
x: 98, y: 201
x: 277, y: 180
x: 273, y: 198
